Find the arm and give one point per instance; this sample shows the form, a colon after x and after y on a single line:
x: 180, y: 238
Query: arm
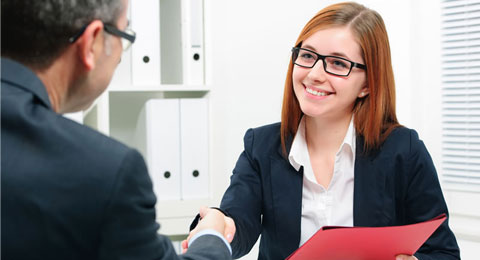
x: 129, y: 229
x: 424, y: 200
x: 243, y: 200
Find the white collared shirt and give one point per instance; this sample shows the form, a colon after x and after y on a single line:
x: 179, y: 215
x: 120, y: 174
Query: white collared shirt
x: 320, y: 206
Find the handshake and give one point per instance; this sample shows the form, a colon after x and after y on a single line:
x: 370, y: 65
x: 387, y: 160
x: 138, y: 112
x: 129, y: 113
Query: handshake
x: 212, y: 219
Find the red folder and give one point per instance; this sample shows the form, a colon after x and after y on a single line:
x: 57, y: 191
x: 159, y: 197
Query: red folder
x: 362, y: 243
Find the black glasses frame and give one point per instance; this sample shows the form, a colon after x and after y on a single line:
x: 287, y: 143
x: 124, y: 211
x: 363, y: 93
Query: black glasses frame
x: 111, y: 29
x: 114, y: 31
x: 296, y: 50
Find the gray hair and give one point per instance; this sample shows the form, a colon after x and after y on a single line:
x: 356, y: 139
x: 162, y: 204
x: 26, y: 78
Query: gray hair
x: 36, y: 32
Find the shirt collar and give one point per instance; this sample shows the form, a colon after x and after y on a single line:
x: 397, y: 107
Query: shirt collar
x: 349, y: 138
x: 299, y: 152
x: 299, y: 156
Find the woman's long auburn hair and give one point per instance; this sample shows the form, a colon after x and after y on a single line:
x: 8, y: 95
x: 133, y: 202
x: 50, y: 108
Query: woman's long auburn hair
x: 374, y: 115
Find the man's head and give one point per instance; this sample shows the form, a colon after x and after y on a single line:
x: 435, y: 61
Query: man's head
x: 36, y: 32
x: 66, y: 44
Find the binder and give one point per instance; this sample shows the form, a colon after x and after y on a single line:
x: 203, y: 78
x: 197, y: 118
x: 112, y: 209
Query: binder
x: 194, y: 148
x: 193, y: 48
x: 367, y: 243
x: 157, y: 136
x: 171, y: 37
x: 146, y: 50
x: 75, y: 116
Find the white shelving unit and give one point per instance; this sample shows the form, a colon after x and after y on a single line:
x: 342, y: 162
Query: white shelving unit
x: 116, y: 111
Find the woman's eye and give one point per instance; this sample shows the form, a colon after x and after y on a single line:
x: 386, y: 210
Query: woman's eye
x: 339, y: 63
x: 306, y: 56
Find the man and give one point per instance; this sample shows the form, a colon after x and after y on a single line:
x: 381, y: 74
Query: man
x: 67, y: 191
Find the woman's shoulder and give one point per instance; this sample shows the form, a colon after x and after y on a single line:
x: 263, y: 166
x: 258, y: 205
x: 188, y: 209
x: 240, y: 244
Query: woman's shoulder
x: 263, y: 138
x: 267, y: 129
x: 403, y: 139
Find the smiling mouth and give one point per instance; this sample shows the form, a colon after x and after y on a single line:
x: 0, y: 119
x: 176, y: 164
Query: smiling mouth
x: 317, y: 93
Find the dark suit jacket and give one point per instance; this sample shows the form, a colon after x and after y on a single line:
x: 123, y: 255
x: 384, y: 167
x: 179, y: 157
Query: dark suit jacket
x: 69, y: 192
x: 395, y: 185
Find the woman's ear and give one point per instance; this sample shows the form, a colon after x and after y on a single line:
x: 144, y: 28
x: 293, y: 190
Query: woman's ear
x: 363, y: 93
x: 90, y: 44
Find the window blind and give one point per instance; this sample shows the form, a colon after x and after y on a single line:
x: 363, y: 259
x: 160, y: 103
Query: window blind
x: 461, y: 94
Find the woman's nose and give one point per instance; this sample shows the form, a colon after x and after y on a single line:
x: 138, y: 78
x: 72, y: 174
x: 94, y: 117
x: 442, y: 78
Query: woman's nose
x: 317, y: 72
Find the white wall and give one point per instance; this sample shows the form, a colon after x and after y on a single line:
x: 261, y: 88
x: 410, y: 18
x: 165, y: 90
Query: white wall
x: 249, y: 43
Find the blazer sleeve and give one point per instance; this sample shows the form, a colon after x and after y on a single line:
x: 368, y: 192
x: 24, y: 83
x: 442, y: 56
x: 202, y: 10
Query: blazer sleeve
x: 129, y: 229
x: 424, y: 200
x: 243, y: 199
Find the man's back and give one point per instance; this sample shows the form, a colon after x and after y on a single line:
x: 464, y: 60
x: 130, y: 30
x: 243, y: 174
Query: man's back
x: 67, y: 191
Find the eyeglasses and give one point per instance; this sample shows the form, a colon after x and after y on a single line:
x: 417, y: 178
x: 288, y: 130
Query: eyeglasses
x: 128, y: 36
x: 331, y: 64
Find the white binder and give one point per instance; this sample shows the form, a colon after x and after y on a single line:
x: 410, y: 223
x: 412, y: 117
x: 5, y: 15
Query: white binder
x: 194, y: 148
x: 146, y: 50
x: 193, y: 48
x: 75, y: 116
x: 158, y: 138
x: 171, y: 37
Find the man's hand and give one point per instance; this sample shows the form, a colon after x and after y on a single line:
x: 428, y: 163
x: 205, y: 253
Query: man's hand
x: 212, y: 219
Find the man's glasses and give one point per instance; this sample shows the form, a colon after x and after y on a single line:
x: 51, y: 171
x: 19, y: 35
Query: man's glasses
x: 331, y: 64
x: 128, y: 36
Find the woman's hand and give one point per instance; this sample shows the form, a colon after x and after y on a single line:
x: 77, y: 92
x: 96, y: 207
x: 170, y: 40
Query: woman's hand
x: 227, y: 223
x: 406, y: 257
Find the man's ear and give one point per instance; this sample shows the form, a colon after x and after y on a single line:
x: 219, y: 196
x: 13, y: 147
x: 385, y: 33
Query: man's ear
x: 90, y: 44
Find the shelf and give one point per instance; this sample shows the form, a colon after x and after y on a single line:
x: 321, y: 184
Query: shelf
x: 176, y: 216
x: 174, y: 226
x: 168, y: 73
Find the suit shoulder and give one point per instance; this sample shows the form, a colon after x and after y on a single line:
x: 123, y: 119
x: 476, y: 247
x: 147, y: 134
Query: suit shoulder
x: 403, y: 139
x: 263, y: 139
x: 91, y: 141
x: 403, y: 134
x: 270, y: 130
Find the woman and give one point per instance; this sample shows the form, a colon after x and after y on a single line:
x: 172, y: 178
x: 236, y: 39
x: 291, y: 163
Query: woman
x: 339, y: 155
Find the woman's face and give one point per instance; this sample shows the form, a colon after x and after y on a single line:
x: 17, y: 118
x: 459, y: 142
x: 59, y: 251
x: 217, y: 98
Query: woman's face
x: 326, y: 96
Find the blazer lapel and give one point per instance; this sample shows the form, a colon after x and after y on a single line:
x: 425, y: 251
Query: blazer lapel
x: 287, y: 199
x: 369, y: 187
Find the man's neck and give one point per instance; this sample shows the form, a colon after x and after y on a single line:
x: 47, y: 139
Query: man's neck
x: 57, y: 79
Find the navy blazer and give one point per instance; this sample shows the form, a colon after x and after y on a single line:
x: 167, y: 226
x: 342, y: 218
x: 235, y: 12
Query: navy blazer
x: 395, y: 185
x: 69, y: 192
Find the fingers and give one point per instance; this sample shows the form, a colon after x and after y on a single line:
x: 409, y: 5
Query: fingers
x: 212, y: 219
x: 209, y: 219
x: 184, y: 246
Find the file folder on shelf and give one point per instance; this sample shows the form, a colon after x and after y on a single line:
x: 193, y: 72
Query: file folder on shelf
x: 194, y: 148
x: 158, y: 138
x: 367, y: 243
x: 193, y: 49
x: 171, y: 41
x: 146, y: 50
x: 182, y: 43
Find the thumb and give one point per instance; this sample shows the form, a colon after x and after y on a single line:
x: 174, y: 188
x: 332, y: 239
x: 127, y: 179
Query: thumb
x: 203, y: 211
x: 229, y: 229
